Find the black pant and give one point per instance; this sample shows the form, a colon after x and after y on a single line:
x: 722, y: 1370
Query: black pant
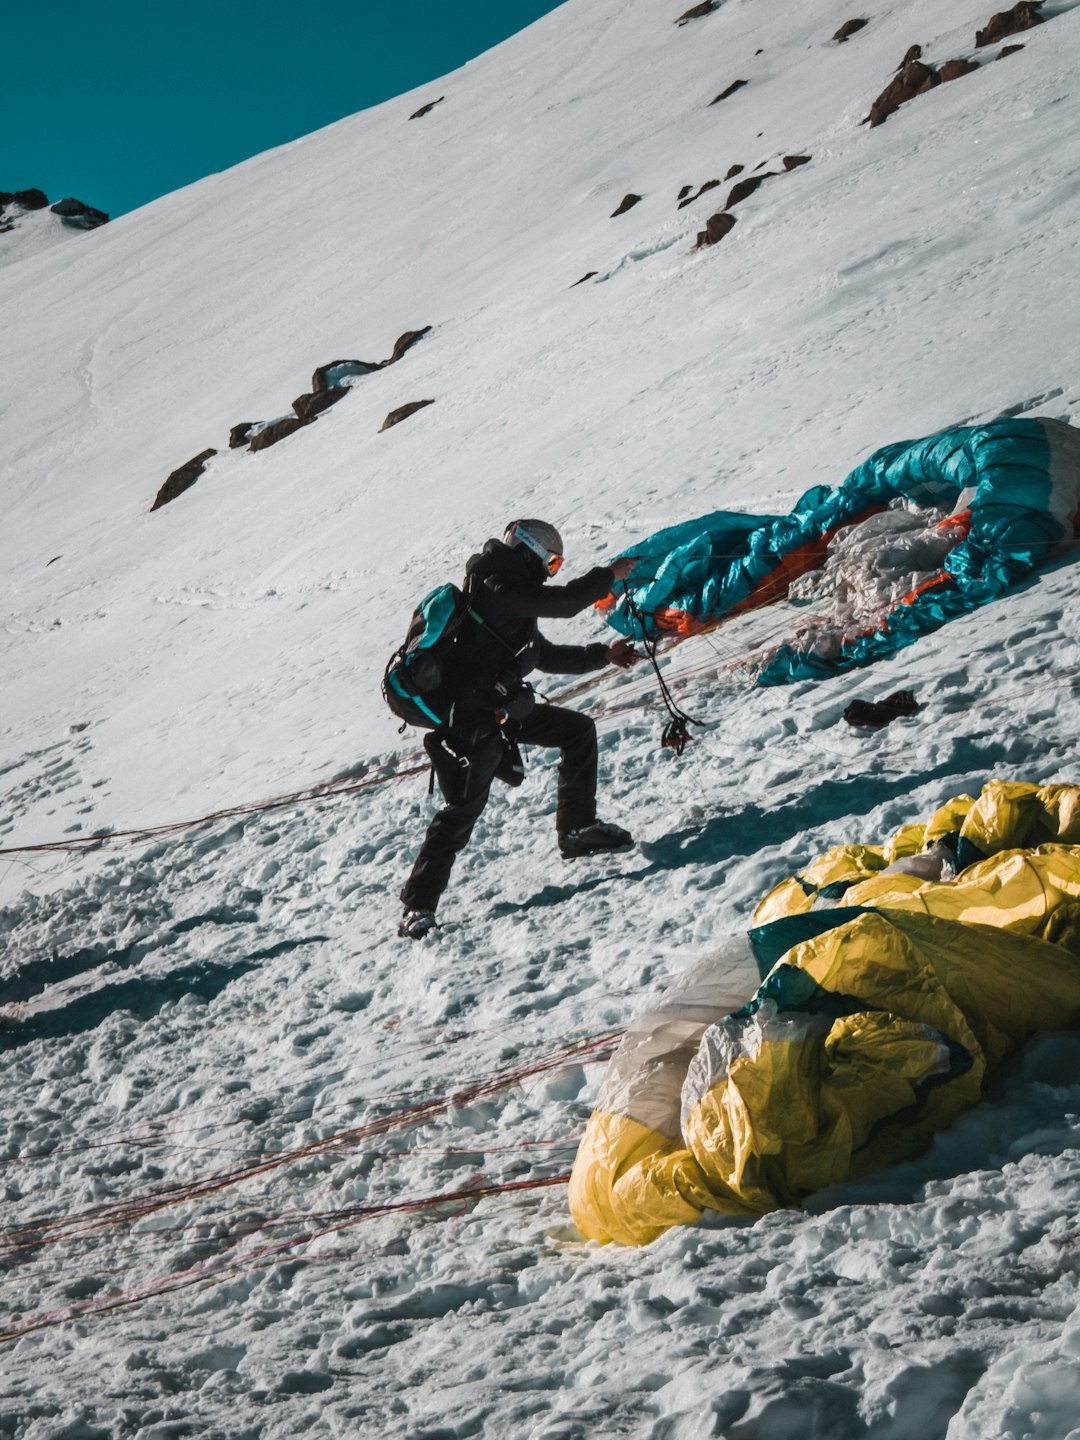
x: 483, y: 749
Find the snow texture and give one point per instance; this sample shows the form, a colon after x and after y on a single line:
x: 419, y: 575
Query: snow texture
x: 268, y: 1170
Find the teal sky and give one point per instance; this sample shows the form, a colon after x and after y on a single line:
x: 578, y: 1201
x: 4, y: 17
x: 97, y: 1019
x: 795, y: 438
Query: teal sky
x: 121, y: 101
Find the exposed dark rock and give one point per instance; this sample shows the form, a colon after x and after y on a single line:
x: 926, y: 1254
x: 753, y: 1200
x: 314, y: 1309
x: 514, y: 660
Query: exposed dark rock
x: 28, y: 199
x: 953, y: 69
x: 733, y: 171
x: 849, y: 28
x: 308, y: 407
x: 709, y: 185
x: 182, y: 479
x: 406, y: 342
x: 5, y: 228
x: 79, y: 215
x: 587, y: 276
x: 716, y: 227
x: 792, y: 162
x: 329, y: 377
x: 685, y: 191
x: 275, y: 431
x: 1008, y: 50
x: 403, y: 412
x: 914, y: 79
x: 1010, y: 22
x: 742, y: 188
x: 241, y: 434
x: 416, y: 115
x: 913, y: 53
x: 735, y: 85
x: 705, y: 8
x: 626, y: 203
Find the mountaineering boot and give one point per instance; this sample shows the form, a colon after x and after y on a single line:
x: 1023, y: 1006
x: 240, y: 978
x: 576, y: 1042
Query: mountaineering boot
x: 600, y: 835
x: 415, y: 924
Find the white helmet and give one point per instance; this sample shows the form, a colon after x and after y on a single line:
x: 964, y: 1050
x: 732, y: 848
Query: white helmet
x: 538, y: 536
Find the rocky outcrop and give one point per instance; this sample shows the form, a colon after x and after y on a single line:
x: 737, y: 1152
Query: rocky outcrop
x: 403, y: 412
x: 403, y: 343
x: 716, y: 227
x: 849, y: 28
x: 705, y: 8
x: 587, y: 276
x: 626, y: 203
x: 182, y: 479
x: 953, y: 69
x: 279, y: 429
x: 329, y: 377
x: 742, y: 188
x: 329, y: 385
x: 307, y: 407
x: 27, y: 199
x: 424, y: 109
x: 734, y: 170
x: 79, y: 215
x: 735, y: 85
x: 708, y: 185
x: 1010, y: 22
x: 913, y: 78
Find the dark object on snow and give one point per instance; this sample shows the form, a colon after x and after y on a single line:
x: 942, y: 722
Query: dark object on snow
x: 1008, y: 50
x: 78, y: 215
x: 849, y: 28
x: 5, y: 228
x: 241, y: 434
x: 406, y: 342
x: 587, y: 276
x: 733, y: 171
x: 403, y: 412
x: 709, y: 185
x: 705, y: 8
x: 182, y: 479
x: 1010, y: 22
x: 425, y: 108
x: 953, y: 69
x: 275, y: 431
x: 792, y: 162
x: 742, y: 188
x: 913, y: 53
x: 329, y: 377
x: 735, y: 85
x: 872, y: 715
x: 685, y: 191
x: 28, y: 199
x: 914, y: 79
x: 716, y: 227
x: 626, y: 203
x: 308, y: 406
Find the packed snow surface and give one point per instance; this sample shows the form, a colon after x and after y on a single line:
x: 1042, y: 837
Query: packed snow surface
x: 268, y: 1170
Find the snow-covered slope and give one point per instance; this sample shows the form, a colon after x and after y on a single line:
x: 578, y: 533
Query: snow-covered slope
x: 226, y: 1000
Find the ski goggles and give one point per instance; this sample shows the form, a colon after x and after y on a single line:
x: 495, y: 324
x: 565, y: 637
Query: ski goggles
x: 551, y: 558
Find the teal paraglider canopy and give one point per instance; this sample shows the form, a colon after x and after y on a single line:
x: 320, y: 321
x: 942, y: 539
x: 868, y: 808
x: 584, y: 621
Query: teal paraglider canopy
x: 1000, y: 497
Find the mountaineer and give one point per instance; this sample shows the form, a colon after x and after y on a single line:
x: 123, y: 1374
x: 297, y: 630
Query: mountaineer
x: 495, y: 709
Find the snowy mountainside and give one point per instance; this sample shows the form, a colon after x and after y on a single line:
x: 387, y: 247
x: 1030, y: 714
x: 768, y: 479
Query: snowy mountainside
x: 244, y: 1125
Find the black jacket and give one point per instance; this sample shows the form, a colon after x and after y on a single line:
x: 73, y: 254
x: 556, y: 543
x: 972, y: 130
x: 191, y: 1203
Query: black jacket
x: 509, y: 592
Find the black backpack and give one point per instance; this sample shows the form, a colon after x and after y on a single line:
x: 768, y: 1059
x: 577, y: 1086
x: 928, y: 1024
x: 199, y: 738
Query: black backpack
x: 418, y: 684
